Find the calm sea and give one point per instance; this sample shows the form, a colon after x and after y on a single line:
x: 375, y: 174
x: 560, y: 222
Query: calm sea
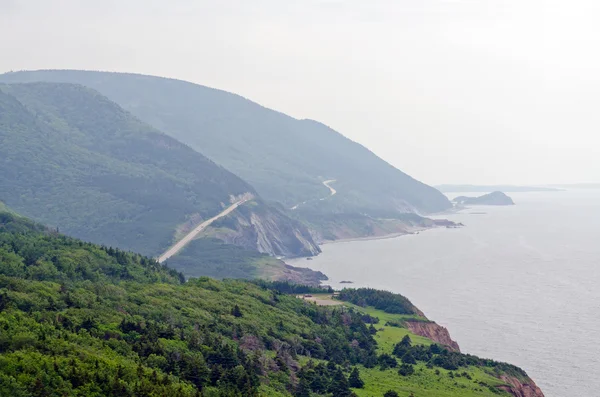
x: 517, y: 284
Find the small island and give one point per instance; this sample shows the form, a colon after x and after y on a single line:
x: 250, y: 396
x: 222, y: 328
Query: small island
x: 494, y: 198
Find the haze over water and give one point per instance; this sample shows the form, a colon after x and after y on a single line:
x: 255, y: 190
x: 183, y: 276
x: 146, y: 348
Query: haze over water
x: 517, y: 284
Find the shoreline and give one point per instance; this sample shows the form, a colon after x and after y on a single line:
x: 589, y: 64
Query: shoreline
x: 370, y: 238
x: 295, y: 262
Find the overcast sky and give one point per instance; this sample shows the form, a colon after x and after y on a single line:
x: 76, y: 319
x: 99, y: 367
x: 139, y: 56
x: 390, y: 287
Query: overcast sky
x: 463, y: 91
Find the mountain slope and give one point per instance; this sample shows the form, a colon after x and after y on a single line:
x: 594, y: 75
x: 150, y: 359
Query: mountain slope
x: 285, y: 159
x: 78, y: 319
x: 71, y: 158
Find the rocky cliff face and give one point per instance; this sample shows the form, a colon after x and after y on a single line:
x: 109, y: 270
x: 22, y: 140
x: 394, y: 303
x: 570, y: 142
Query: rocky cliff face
x: 433, y: 331
x: 265, y: 229
x: 516, y: 387
x: 520, y: 388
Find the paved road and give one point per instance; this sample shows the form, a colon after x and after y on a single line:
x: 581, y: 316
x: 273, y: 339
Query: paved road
x: 198, y: 229
x: 332, y: 192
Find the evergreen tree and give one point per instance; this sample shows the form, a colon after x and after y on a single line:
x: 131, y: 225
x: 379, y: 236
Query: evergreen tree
x: 319, y: 384
x: 406, y: 370
x: 354, y: 380
x: 406, y: 341
x: 390, y: 393
x: 402, y: 347
x: 339, y: 385
x: 303, y: 388
x: 236, y: 312
x: 372, y: 329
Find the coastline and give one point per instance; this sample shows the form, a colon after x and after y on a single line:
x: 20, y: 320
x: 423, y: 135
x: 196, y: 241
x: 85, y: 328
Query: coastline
x: 300, y: 262
x: 370, y: 238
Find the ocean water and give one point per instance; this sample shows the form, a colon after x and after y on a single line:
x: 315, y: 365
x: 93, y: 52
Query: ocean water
x: 519, y: 284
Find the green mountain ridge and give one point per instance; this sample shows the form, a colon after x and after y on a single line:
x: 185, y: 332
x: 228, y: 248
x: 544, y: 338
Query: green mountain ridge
x: 80, y: 319
x: 73, y: 159
x: 285, y: 159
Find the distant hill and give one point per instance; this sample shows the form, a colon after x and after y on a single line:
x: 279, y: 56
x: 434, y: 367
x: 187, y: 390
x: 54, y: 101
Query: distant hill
x: 285, y: 159
x: 494, y: 198
x: 73, y: 159
x: 493, y: 188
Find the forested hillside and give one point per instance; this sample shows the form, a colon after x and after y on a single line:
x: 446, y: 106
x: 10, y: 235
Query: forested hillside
x: 283, y: 158
x: 73, y: 159
x: 79, y: 319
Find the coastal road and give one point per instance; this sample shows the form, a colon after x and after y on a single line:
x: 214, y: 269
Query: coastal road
x: 198, y: 229
x: 332, y: 192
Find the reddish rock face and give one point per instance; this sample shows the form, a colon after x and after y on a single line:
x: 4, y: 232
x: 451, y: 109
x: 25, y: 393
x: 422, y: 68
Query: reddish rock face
x: 440, y: 335
x: 520, y: 388
x: 433, y: 331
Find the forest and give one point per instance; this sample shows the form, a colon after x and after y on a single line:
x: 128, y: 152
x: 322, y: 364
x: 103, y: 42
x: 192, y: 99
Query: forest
x: 79, y: 319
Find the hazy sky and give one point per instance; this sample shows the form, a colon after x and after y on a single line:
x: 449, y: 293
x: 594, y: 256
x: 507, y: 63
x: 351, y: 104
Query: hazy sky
x: 473, y: 91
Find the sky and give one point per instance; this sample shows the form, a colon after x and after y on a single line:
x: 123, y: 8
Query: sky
x: 449, y: 91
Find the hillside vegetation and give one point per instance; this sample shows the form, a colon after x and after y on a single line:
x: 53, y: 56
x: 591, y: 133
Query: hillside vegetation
x: 73, y: 159
x: 285, y: 159
x: 80, y: 319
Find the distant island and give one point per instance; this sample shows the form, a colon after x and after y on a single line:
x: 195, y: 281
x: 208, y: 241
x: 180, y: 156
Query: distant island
x: 494, y: 188
x: 494, y: 198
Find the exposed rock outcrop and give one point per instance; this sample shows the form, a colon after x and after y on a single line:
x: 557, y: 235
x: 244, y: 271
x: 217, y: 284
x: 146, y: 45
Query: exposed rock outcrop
x: 520, y: 388
x: 515, y: 386
x: 265, y: 229
x: 433, y: 331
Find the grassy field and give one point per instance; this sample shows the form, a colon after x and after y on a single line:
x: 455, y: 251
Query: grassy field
x: 426, y: 382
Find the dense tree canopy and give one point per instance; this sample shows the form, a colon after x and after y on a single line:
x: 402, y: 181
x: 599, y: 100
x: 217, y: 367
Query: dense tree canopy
x: 382, y: 300
x: 78, y: 319
x: 75, y: 160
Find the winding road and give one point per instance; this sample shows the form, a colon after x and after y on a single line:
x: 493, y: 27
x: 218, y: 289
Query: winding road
x: 332, y: 192
x: 198, y: 229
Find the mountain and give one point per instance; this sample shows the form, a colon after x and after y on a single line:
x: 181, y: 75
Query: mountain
x: 73, y: 159
x: 493, y: 188
x: 494, y: 198
x: 285, y: 159
x: 79, y: 319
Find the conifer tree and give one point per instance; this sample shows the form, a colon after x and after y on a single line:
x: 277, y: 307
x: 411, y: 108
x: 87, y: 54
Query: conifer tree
x: 339, y: 385
x: 354, y: 380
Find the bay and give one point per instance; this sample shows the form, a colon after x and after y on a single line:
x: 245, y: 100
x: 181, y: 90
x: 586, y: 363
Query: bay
x: 516, y: 284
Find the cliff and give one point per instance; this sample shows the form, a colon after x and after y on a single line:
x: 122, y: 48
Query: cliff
x: 516, y: 386
x: 433, y: 331
x: 266, y: 229
x: 520, y: 388
x: 494, y: 198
